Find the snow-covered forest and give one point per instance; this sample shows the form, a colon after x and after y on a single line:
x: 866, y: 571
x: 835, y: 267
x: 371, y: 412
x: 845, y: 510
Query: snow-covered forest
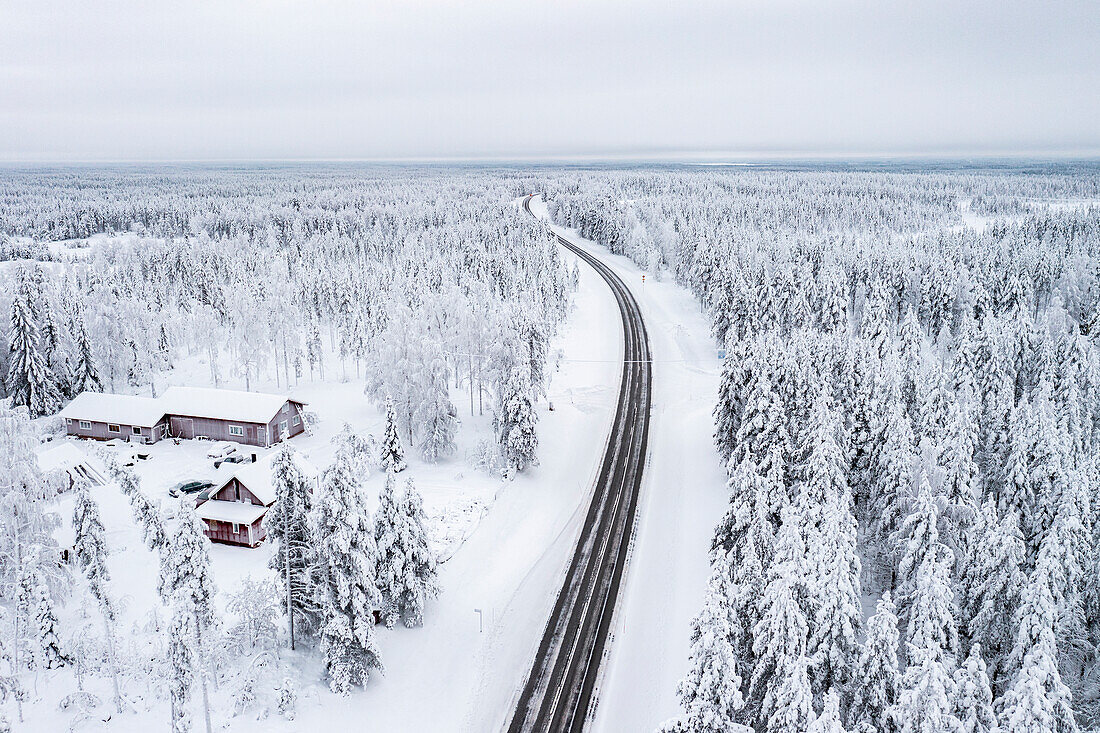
x: 910, y: 410
x: 909, y: 416
x: 426, y: 287
x: 415, y: 281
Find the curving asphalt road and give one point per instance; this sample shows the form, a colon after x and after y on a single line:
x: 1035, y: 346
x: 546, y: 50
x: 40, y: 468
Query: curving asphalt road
x: 558, y: 692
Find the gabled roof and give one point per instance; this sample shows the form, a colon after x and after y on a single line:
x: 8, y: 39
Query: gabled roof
x: 115, y: 408
x: 222, y: 404
x: 256, y: 477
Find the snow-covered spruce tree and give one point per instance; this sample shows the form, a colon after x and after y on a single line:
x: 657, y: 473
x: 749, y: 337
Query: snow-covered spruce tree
x: 85, y: 373
x: 794, y: 700
x: 90, y: 550
x: 972, y: 698
x: 835, y: 571
x: 346, y: 558
x: 829, y: 721
x: 515, y: 421
x: 389, y: 544
x: 922, y: 555
x: 912, y: 349
x: 420, y: 577
x: 744, y: 537
x: 779, y: 637
x: 762, y: 435
x: 832, y: 604
x: 1037, y: 700
x: 737, y: 374
x: 892, y: 483
x: 47, y: 647
x: 287, y: 524
x: 875, y: 682
x: 923, y: 704
x: 181, y: 666
x: 960, y: 485
x: 991, y: 586
x: 710, y: 694
x: 187, y: 584
x: 935, y: 406
x: 29, y: 381
x: 393, y: 455
x: 1013, y: 494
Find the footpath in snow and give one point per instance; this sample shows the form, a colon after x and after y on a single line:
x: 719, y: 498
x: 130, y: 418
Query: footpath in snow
x: 683, y: 497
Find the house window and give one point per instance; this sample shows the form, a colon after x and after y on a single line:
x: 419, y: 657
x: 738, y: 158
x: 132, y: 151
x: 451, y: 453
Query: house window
x: 283, y: 428
x: 85, y: 425
x: 236, y: 528
x: 297, y: 420
x: 136, y: 429
x: 236, y: 430
x: 113, y: 428
x: 286, y: 407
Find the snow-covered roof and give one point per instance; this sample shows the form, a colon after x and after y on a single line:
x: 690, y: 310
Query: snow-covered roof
x: 222, y: 404
x: 230, y: 511
x: 256, y: 477
x: 115, y: 408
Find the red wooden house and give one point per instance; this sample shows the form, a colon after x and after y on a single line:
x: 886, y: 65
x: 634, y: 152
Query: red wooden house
x: 251, y: 418
x: 234, y: 513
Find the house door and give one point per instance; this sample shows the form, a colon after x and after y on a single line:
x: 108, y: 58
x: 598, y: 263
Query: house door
x: 183, y: 427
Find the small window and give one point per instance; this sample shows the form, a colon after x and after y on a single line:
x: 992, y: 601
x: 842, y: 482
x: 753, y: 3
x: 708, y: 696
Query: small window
x: 297, y: 420
x: 283, y: 427
x: 236, y: 528
x: 286, y: 407
x: 236, y: 430
x: 136, y: 429
x: 85, y: 425
x: 111, y: 428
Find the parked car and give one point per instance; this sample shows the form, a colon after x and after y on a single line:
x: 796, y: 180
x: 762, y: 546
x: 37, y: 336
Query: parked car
x: 205, y: 494
x: 221, y: 450
x: 189, y: 487
x: 231, y: 458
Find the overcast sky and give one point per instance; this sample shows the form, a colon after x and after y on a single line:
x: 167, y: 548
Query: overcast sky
x: 120, y: 80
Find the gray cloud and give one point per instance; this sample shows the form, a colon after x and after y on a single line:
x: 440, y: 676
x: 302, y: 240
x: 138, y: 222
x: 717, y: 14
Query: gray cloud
x: 417, y: 78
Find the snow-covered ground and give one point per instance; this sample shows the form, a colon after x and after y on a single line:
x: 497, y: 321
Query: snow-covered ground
x: 684, y: 494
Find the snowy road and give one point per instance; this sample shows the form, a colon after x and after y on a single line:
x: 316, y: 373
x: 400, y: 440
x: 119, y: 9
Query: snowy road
x: 560, y: 688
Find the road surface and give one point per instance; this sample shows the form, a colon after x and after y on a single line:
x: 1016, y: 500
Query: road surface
x: 559, y: 690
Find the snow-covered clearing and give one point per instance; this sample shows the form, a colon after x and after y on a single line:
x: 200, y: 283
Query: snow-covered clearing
x: 684, y: 493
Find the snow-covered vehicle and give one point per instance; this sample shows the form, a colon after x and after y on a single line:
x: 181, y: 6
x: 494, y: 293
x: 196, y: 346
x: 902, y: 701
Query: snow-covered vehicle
x: 235, y: 457
x: 221, y: 450
x: 189, y: 487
